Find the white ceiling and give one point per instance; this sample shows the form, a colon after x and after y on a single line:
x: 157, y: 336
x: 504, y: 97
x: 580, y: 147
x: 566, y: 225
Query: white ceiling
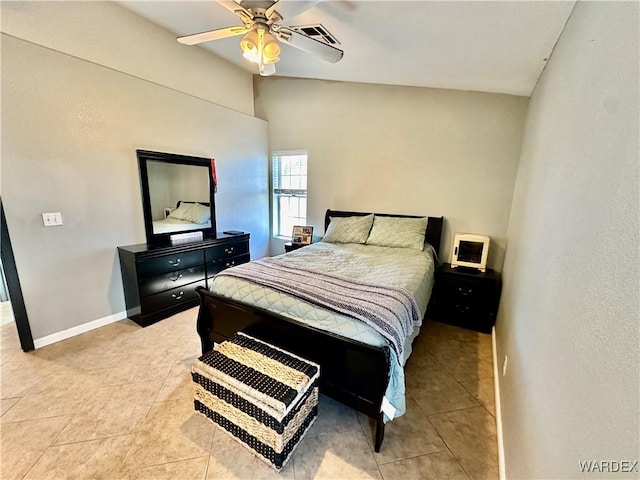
x: 497, y: 46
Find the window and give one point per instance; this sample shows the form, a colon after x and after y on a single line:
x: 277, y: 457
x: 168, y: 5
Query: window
x: 289, y: 170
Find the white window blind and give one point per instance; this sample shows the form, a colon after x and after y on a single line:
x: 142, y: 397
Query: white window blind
x: 289, y: 170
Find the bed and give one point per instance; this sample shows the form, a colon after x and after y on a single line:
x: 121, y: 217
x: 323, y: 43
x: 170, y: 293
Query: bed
x: 185, y: 217
x: 362, y: 370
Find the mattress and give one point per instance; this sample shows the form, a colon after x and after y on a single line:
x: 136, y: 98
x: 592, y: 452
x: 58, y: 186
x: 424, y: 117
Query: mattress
x: 399, y: 267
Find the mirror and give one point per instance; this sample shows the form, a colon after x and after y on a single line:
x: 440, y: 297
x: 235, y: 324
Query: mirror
x: 177, y: 195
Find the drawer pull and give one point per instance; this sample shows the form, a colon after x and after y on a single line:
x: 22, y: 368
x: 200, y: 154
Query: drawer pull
x: 228, y: 250
x: 177, y: 296
x: 174, y: 263
x: 465, y: 291
x: 230, y: 264
x: 176, y: 278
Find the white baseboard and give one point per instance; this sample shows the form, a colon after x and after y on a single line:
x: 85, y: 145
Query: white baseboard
x: 77, y: 330
x: 496, y: 386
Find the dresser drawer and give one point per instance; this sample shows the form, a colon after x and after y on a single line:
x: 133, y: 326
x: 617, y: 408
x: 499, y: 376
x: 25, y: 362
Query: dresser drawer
x: 215, y: 267
x: 160, y: 280
x: 166, y: 281
x: 175, y: 296
x: 219, y: 252
x: 169, y: 263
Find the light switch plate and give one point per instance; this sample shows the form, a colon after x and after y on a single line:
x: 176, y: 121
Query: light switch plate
x: 52, y: 219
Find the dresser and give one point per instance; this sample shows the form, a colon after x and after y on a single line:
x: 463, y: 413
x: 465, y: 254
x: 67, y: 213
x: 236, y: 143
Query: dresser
x: 466, y: 297
x: 160, y: 281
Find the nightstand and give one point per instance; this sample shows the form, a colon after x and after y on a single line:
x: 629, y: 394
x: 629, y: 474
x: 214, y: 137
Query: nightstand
x: 466, y: 297
x: 290, y: 246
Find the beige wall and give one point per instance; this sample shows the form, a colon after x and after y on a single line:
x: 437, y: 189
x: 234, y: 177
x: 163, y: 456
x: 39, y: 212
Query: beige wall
x: 569, y: 315
x: 110, y: 35
x: 70, y: 128
x: 401, y: 150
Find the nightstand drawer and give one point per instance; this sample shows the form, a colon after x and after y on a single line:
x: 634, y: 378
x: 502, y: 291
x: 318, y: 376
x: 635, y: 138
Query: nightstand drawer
x: 465, y: 309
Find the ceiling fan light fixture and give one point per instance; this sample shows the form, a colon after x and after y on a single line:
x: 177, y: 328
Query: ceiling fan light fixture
x: 250, y: 46
x: 262, y: 34
x: 259, y: 46
x: 270, y: 49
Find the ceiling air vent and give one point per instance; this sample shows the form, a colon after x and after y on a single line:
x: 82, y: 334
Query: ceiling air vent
x: 317, y: 32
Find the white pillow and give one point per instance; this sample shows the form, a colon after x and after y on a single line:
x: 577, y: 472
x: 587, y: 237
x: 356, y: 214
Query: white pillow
x: 348, y: 229
x: 192, y: 212
x: 398, y: 232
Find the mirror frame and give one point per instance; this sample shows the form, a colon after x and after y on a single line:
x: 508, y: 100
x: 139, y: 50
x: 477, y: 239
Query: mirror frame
x: 163, y: 238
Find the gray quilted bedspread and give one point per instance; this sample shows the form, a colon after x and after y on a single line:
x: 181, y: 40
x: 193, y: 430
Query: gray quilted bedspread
x: 410, y: 269
x: 391, y: 311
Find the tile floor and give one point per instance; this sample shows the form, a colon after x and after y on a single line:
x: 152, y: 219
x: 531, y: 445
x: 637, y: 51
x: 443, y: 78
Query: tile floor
x: 115, y: 403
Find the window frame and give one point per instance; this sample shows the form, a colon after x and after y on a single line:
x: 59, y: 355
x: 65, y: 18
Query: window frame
x: 275, y: 204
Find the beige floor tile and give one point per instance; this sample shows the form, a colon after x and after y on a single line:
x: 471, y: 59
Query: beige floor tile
x: 123, y: 378
x: 88, y: 354
x: 171, y: 432
x: 22, y: 372
x: 123, y: 413
x: 9, y: 341
x: 140, y: 369
x: 178, y: 384
x: 333, y: 417
x: 62, y: 393
x: 335, y: 455
x: 471, y: 436
x: 23, y: 443
x: 465, y: 368
x: 6, y: 404
x: 96, y: 459
x: 437, y: 466
x: 192, y: 469
x: 435, y: 390
x: 484, y: 390
x: 401, y: 434
x: 230, y: 460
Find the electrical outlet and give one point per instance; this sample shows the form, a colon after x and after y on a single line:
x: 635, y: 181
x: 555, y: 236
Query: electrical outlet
x: 504, y: 365
x: 52, y: 219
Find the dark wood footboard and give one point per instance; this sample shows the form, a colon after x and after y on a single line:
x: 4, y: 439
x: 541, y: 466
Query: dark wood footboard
x: 353, y: 373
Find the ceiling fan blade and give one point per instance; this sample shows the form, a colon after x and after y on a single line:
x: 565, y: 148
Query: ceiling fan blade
x: 289, y: 9
x: 308, y: 44
x: 197, y: 38
x: 234, y: 7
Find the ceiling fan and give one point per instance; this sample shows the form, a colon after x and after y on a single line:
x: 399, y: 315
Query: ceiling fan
x: 262, y: 31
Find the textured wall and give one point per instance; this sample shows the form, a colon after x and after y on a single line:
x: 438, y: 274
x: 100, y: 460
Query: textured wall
x: 108, y: 34
x: 569, y: 315
x: 401, y: 150
x: 70, y: 128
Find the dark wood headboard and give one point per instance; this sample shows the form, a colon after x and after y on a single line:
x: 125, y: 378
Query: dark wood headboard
x: 434, y: 224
